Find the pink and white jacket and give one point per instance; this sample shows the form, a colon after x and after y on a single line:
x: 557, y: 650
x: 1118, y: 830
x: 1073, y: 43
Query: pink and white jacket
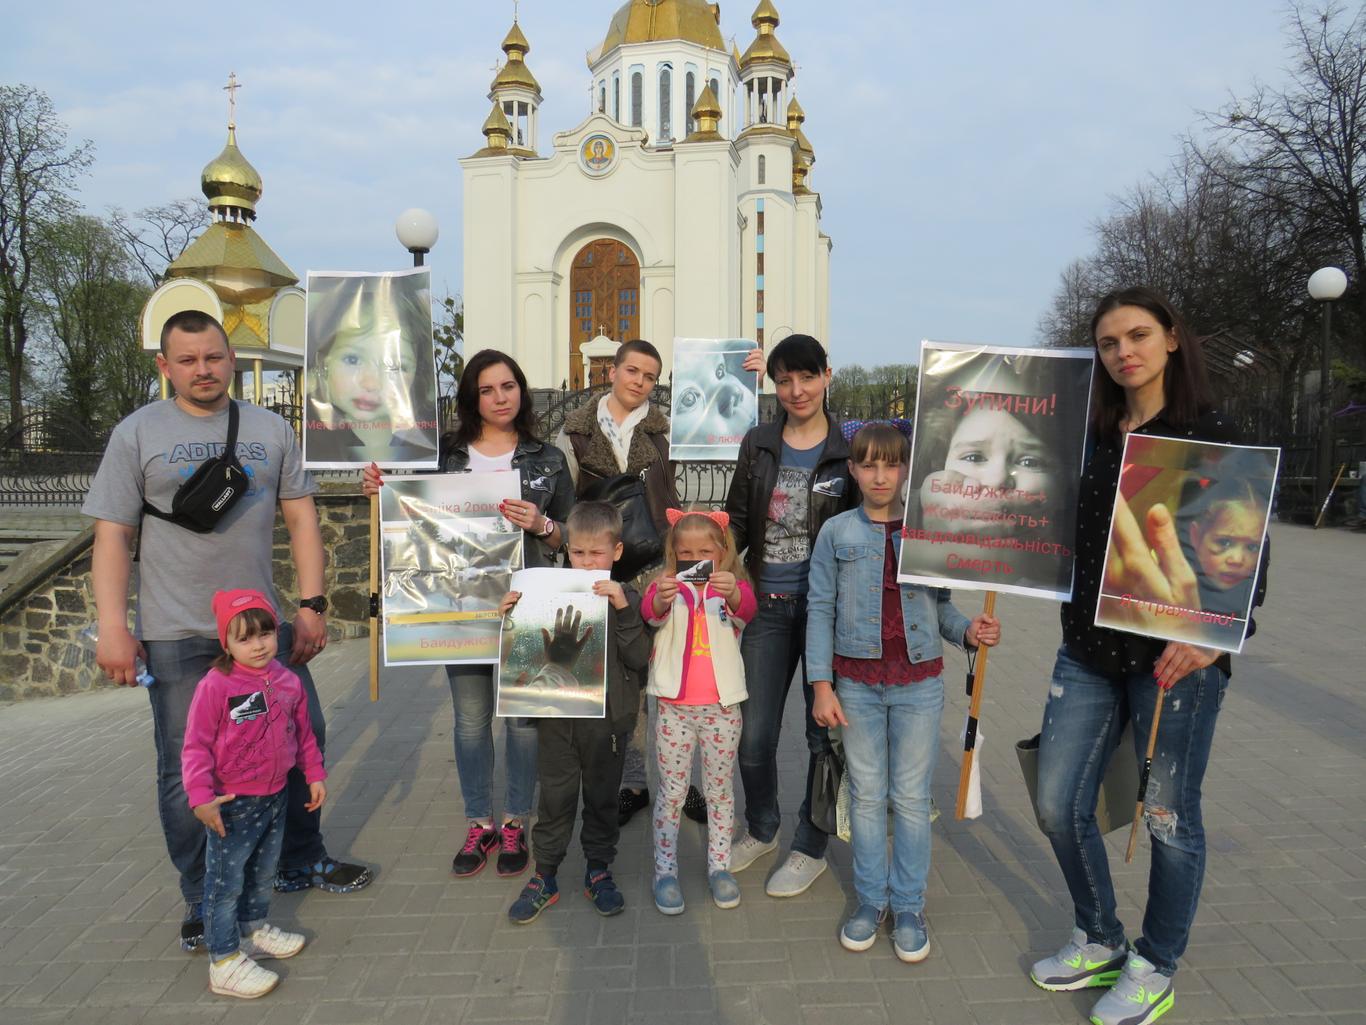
x: 245, y: 731
x: 672, y: 656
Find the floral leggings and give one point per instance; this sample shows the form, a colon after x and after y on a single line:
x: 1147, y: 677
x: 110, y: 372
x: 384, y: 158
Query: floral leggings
x: 678, y: 729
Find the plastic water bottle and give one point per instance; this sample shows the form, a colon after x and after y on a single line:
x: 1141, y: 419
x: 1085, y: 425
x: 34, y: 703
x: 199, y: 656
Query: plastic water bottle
x: 90, y: 639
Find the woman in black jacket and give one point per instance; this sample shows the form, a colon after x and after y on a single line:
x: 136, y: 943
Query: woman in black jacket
x: 496, y: 432
x: 790, y: 477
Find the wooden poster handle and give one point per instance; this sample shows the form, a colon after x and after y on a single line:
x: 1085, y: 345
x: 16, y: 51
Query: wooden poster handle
x: 976, y: 679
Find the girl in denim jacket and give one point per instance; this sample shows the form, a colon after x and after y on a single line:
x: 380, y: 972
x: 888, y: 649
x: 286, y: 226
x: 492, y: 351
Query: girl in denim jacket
x: 874, y: 655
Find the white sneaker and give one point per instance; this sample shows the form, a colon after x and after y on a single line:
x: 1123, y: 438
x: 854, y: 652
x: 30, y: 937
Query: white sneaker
x: 240, y: 976
x: 747, y: 850
x: 799, y: 871
x: 268, y: 941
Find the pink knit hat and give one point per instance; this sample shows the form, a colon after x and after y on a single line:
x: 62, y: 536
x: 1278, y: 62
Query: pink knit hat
x: 227, y: 604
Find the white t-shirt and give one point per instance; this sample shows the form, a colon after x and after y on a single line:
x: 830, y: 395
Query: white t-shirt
x: 480, y: 463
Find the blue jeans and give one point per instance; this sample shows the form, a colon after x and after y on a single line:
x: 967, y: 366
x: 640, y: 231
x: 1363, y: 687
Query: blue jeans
x: 1083, y: 719
x: 890, y: 748
x: 178, y: 667
x: 472, y: 697
x: 240, y: 869
x: 771, y: 646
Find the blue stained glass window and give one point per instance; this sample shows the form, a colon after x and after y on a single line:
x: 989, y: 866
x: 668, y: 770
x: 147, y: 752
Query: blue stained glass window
x: 759, y: 282
x: 759, y: 320
x: 759, y: 205
x: 758, y: 243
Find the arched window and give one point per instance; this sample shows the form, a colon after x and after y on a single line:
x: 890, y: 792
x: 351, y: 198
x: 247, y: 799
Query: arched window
x: 602, y: 97
x: 637, y: 99
x: 666, y: 82
x: 689, y: 101
x: 716, y: 91
x: 763, y: 170
x: 616, y: 96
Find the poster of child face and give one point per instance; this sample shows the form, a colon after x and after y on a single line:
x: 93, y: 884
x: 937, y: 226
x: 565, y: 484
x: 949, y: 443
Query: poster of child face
x: 370, y: 371
x: 715, y: 401
x: 1186, y: 540
x: 554, y: 647
x: 447, y: 555
x: 1000, y: 437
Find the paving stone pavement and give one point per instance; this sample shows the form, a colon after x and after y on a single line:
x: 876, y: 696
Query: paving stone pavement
x: 89, y: 908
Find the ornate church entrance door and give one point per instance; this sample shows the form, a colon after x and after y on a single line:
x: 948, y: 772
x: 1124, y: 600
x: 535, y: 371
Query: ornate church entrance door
x: 604, y: 286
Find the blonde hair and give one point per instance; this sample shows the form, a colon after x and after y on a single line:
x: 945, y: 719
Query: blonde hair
x: 697, y: 519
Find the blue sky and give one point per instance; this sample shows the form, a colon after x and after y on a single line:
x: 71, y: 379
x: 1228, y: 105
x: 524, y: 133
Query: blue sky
x: 962, y: 151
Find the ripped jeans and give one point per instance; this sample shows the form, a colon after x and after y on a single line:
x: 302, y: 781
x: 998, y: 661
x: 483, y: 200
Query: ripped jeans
x: 1082, y: 721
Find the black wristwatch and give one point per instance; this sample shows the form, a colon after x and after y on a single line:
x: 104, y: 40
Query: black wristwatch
x: 318, y: 604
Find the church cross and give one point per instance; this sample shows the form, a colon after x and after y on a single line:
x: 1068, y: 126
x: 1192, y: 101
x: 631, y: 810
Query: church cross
x: 231, y: 89
x: 514, y: 11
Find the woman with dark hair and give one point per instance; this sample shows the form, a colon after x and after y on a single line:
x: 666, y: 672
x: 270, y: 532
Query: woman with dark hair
x: 496, y: 432
x: 790, y: 477
x: 1152, y: 383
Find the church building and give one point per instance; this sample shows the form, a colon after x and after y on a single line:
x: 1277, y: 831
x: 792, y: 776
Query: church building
x: 680, y: 207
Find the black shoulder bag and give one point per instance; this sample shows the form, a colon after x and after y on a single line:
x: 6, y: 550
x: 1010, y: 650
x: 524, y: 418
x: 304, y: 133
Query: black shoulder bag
x: 215, y: 487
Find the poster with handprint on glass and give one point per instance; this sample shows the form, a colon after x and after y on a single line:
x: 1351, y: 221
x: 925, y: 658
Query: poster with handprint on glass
x: 715, y: 399
x: 554, y: 646
x: 1187, y: 540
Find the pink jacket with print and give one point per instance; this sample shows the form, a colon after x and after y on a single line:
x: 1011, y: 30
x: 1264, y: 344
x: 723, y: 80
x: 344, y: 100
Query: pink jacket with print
x: 245, y: 731
x: 670, y: 658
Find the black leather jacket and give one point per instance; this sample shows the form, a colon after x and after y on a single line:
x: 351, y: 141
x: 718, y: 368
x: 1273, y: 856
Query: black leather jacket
x: 756, y: 475
x: 545, y: 481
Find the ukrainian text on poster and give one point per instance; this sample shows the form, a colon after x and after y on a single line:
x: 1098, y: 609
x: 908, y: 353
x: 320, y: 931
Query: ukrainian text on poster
x: 1000, y: 437
x: 448, y: 555
x: 1186, y: 540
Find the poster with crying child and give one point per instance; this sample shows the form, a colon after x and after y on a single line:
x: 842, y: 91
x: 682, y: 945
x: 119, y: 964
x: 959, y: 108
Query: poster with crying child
x: 996, y: 459
x: 1187, y: 540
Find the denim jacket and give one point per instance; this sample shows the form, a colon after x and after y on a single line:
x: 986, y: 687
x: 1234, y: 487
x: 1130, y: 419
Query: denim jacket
x: 844, y: 600
x: 545, y: 481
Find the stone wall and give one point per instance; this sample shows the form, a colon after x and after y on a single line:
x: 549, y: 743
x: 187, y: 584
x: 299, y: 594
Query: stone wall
x: 46, y: 607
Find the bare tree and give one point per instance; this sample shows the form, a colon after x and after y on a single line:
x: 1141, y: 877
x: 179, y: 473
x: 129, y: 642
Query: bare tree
x: 37, y: 176
x: 155, y: 236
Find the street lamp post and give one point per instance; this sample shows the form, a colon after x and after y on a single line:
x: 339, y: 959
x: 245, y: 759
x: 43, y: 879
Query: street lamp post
x: 1325, y: 285
x: 417, y: 232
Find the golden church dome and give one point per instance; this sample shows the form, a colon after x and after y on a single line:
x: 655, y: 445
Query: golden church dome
x: 229, y: 180
x: 706, y: 113
x: 648, y: 21
x: 514, y: 71
x: 765, y: 47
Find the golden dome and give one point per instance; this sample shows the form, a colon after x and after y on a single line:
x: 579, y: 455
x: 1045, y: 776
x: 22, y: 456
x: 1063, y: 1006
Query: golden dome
x: 706, y: 113
x: 765, y: 47
x: 229, y: 180
x: 795, y: 114
x: 514, y: 71
x: 647, y: 21
x: 498, y: 133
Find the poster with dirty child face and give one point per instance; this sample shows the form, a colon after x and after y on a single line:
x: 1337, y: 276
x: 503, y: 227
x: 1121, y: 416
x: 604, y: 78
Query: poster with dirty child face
x: 1000, y: 439
x: 370, y: 371
x: 554, y: 643
x: 715, y: 400
x: 1186, y: 540
x: 447, y: 556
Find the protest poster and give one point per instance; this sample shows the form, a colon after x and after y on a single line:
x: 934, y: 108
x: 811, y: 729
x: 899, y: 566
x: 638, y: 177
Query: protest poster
x: 370, y: 371
x: 447, y: 558
x: 997, y: 454
x: 554, y: 647
x: 715, y: 400
x: 1186, y: 540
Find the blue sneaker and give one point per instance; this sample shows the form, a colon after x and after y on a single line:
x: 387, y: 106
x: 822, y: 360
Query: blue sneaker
x: 537, y: 895
x: 910, y: 939
x: 601, y: 889
x: 725, y: 891
x: 860, y: 928
x: 668, y: 895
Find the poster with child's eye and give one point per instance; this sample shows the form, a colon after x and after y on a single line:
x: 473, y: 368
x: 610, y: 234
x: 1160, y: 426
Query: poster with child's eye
x: 447, y: 555
x: 996, y: 460
x: 554, y: 646
x: 715, y: 400
x: 1186, y: 540
x: 370, y: 371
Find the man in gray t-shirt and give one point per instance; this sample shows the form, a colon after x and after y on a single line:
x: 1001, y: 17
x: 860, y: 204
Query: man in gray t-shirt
x: 149, y: 455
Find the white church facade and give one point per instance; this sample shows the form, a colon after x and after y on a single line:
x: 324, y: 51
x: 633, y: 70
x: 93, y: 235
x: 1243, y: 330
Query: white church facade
x: 679, y: 208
